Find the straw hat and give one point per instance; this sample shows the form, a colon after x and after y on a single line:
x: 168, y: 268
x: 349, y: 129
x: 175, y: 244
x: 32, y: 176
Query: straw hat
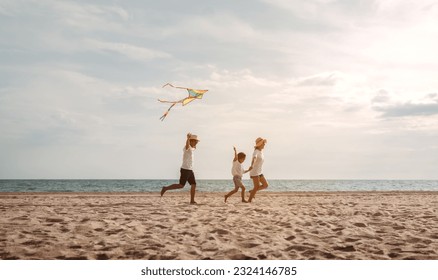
x: 259, y: 141
x: 194, y: 137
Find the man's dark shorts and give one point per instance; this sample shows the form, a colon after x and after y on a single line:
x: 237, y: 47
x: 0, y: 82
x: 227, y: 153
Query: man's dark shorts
x: 187, y: 176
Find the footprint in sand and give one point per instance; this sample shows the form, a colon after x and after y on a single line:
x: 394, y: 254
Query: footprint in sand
x: 398, y: 227
x: 186, y: 233
x: 250, y: 245
x: 290, y: 238
x: 33, y: 242
x: 300, y: 248
x: 21, y: 218
x: 220, y: 231
x: 351, y: 239
x: 348, y: 248
x: 328, y: 255
x: 360, y: 224
x: 241, y: 256
x: 76, y: 258
x: 54, y: 220
x: 113, y: 231
x: 102, y: 257
x: 160, y: 226
x: 64, y: 229
x: 434, y: 236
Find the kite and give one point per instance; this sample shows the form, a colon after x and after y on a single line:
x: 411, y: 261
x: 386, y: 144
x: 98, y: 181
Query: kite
x: 193, y: 94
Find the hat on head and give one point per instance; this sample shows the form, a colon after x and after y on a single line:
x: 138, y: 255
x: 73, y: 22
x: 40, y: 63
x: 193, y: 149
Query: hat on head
x: 194, y: 137
x: 259, y: 141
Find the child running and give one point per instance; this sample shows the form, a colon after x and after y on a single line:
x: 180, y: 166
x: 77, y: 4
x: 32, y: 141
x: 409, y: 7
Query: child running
x: 237, y: 171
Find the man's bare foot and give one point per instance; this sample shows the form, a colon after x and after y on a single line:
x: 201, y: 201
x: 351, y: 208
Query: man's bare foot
x: 244, y: 201
x: 193, y: 202
x: 162, y: 191
x: 225, y: 198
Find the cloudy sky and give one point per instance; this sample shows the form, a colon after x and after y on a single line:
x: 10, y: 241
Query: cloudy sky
x: 342, y: 89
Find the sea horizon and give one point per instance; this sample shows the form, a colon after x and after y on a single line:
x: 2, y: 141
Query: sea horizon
x: 214, y: 185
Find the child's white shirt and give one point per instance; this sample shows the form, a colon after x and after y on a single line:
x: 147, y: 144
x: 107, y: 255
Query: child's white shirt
x: 237, y: 169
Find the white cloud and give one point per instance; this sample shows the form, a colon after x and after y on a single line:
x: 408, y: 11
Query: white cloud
x: 131, y: 51
x: 219, y: 27
x: 405, y: 9
x: 88, y: 16
x: 303, y: 9
x: 322, y: 79
x: 426, y: 105
x: 10, y: 7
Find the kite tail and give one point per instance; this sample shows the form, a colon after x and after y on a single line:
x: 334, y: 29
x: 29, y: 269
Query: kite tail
x: 173, y: 102
x: 167, y: 112
x: 168, y: 84
x: 163, y: 116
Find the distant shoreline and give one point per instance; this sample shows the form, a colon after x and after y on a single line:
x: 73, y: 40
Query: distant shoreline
x: 218, y: 185
x: 200, y: 192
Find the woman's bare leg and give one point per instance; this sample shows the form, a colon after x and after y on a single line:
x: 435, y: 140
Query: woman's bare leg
x: 264, y: 183
x: 256, y: 183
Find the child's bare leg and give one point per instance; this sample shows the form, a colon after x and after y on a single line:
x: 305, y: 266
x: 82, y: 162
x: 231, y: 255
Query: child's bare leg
x: 243, y: 194
x: 236, y: 188
x: 171, y: 187
x: 192, y: 194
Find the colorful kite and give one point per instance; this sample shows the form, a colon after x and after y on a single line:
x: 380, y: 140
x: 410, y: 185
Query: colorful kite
x: 193, y: 94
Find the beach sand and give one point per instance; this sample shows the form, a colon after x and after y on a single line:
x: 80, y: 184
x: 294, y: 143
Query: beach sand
x: 293, y: 225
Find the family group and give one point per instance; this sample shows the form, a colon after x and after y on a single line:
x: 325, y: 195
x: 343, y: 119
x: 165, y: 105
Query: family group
x: 237, y: 170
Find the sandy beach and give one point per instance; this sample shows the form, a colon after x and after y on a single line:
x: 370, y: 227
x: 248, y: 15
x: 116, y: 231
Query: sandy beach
x: 301, y: 225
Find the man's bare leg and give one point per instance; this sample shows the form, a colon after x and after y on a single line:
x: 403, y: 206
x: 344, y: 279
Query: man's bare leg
x: 192, y: 194
x: 171, y: 187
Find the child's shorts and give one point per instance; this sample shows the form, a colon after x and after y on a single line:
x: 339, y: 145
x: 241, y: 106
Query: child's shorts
x: 238, y: 182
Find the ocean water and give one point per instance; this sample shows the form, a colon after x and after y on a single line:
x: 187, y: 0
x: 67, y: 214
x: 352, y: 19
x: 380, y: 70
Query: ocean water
x: 214, y: 185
